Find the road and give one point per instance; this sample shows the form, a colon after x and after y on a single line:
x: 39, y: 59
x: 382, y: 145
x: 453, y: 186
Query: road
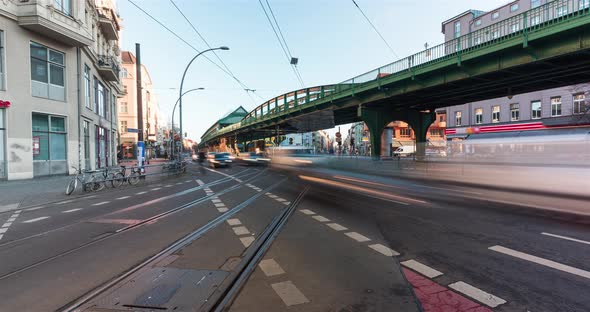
x: 354, y: 242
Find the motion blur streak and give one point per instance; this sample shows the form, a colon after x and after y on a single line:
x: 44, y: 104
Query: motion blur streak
x: 361, y: 190
x: 362, y: 181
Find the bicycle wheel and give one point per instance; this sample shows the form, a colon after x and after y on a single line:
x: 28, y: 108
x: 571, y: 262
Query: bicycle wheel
x: 118, y: 179
x: 71, y: 186
x: 88, y: 184
x: 133, y: 178
x: 98, y: 185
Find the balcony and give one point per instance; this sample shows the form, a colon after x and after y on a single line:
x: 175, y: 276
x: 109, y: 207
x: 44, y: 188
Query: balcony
x: 109, y: 68
x: 49, y: 21
x: 108, y: 22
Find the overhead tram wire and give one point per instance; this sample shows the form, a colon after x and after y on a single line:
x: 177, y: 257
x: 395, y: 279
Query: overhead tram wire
x: 375, y: 29
x: 244, y: 87
x: 282, y: 44
x: 181, y: 39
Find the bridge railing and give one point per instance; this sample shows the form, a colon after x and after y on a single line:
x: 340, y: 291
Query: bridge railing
x: 523, y: 24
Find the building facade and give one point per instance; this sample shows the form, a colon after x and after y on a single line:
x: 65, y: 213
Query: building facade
x: 552, y: 109
x: 128, y: 125
x: 49, y: 114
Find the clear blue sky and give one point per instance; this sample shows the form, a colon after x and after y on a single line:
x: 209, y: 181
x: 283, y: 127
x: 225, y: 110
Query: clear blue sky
x: 330, y: 37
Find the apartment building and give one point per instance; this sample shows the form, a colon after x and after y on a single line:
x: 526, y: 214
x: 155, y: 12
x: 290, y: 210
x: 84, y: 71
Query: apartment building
x: 58, y: 84
x: 553, y: 110
x: 128, y: 113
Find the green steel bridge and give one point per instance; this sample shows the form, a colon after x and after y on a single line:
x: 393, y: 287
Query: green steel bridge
x: 545, y: 47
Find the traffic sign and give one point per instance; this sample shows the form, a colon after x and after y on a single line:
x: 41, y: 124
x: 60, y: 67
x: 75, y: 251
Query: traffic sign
x: 132, y: 130
x: 338, y: 134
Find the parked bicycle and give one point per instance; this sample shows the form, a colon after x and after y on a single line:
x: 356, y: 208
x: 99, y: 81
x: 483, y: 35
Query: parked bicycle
x: 85, y: 178
x: 121, y: 176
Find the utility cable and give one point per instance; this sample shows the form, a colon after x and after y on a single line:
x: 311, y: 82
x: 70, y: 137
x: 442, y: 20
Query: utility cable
x: 375, y: 29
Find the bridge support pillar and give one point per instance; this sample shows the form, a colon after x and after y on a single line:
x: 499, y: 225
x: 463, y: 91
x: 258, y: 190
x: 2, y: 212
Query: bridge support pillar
x: 378, y: 118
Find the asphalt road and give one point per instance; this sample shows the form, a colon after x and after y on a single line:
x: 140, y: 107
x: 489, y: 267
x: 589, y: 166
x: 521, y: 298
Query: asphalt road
x: 354, y: 243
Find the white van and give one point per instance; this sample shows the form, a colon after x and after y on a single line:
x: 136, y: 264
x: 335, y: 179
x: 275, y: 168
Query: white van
x: 407, y: 150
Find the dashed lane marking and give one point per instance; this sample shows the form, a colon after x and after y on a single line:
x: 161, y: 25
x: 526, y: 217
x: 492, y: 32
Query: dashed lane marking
x: 178, y: 183
x: 35, y: 220
x: 307, y: 212
x: 169, y: 185
x: 477, y: 294
x: 101, y: 203
x: 289, y: 293
x: 3, y: 230
x: 240, y: 230
x: 287, y: 203
x: 141, y: 193
x: 65, y: 202
x: 200, y: 182
x: 71, y: 210
x: 156, y: 188
x: 541, y: 261
x: 421, y: 268
x: 222, y: 209
x: 321, y: 218
x: 187, y: 181
x: 357, y: 237
x: 216, y: 200
x: 219, y: 205
x: 124, y: 197
x: 566, y: 238
x: 6, y: 224
x: 336, y: 227
x: 247, y: 241
x: 233, y: 222
x: 34, y: 208
x: 270, y: 267
x: 384, y: 250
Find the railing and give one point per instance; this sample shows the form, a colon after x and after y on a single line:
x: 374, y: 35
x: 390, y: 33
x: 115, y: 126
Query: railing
x: 521, y: 25
x: 109, y: 61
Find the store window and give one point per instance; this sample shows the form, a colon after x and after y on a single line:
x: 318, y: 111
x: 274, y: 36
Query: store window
x: 102, y: 143
x: 47, y: 72
x: 49, y: 137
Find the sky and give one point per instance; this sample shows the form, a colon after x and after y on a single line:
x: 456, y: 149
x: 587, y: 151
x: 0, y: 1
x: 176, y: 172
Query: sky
x: 331, y: 38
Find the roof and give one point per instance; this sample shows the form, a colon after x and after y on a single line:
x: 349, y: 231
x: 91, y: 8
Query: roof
x: 128, y: 57
x: 475, y: 14
x: 233, y: 117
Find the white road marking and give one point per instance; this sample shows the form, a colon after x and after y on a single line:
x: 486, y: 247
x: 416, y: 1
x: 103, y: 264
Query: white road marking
x: 270, y: 267
x: 11, y: 219
x: 477, y: 294
x: 233, y: 222
x: 65, y: 202
x: 222, y: 209
x: 336, y: 226
x: 187, y: 181
x: 267, y: 194
x: 289, y: 293
x: 357, y: 237
x: 156, y: 188
x: 321, y: 218
x: 141, y: 193
x: 247, y: 241
x: 71, y: 210
x: 91, y: 196
x: 169, y: 185
x: 34, y: 208
x: 273, y: 196
x: 3, y: 230
x: 101, y: 203
x: 124, y: 197
x: 35, y: 220
x: 384, y: 250
x: 287, y: 203
x: 241, y: 230
x: 216, y: 200
x: 178, y: 183
x: 238, y: 180
x: 421, y: 268
x: 281, y: 199
x: 307, y: 211
x: 1, y: 235
x: 200, y: 182
x: 7, y: 224
x: 567, y: 238
x: 541, y: 261
x: 220, y: 205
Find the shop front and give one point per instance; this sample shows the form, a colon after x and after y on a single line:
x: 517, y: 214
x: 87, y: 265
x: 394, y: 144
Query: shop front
x: 49, y: 145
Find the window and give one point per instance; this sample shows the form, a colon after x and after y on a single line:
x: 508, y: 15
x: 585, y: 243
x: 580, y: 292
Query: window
x: 47, y: 72
x: 123, y: 126
x: 107, y: 104
x: 99, y: 98
x: 535, y: 3
x: 556, y: 106
x: 2, y: 71
x: 496, y: 113
x: 515, y: 27
x: 580, y: 104
x: 87, y: 144
x: 436, y: 132
x: 478, y: 116
x: 514, y: 113
x: 457, y: 29
x: 49, y: 137
x: 64, y: 6
x: 405, y: 132
x: 478, y: 22
x: 441, y: 118
x: 495, y: 15
x: 535, y: 109
x: 561, y: 11
x: 457, y: 119
x: 124, y: 73
x: 583, y: 4
x: 514, y: 7
x: 87, y: 87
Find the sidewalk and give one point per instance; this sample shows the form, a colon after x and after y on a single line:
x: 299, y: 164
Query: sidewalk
x: 38, y: 191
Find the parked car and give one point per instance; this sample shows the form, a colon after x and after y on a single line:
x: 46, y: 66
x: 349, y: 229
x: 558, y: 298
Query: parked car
x: 252, y: 158
x: 220, y: 160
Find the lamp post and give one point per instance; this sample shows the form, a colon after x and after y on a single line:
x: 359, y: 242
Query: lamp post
x: 182, y: 83
x: 174, y: 109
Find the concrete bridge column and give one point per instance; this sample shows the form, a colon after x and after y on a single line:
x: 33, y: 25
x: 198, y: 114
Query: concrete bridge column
x: 386, y: 139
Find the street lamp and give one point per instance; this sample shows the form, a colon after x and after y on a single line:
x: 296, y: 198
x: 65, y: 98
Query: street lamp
x: 182, y: 82
x: 176, y: 104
